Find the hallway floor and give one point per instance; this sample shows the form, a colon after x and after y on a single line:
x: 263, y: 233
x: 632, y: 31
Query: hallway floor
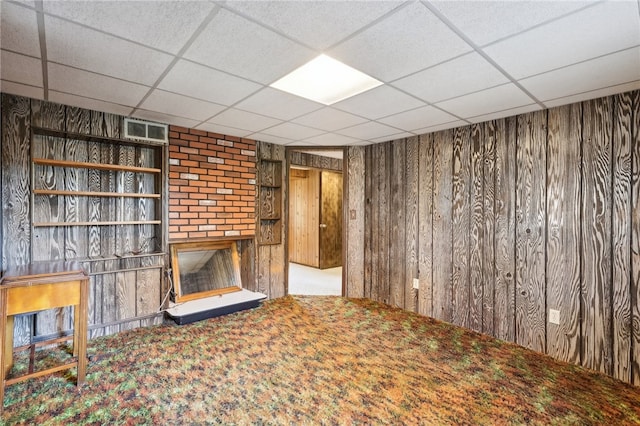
x: 304, y: 280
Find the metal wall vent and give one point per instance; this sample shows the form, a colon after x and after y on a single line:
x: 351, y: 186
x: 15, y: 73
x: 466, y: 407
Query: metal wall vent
x: 145, y: 130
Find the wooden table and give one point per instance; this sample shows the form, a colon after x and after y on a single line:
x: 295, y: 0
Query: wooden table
x: 36, y: 287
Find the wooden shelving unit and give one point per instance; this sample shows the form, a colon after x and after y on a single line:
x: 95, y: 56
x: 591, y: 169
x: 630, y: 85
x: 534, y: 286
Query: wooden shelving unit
x: 270, y: 202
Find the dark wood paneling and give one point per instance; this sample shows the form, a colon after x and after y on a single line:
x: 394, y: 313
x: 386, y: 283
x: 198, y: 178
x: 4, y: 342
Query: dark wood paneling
x: 354, y: 226
x: 397, y: 226
x: 460, y: 216
x: 596, y: 236
x: 442, y: 208
x: 411, y: 223
x: 488, y: 242
x: 530, y: 231
x: 425, y: 225
x: 621, y: 236
x: 563, y: 231
x: 316, y: 161
x: 382, y: 290
x: 635, y: 240
x: 476, y: 228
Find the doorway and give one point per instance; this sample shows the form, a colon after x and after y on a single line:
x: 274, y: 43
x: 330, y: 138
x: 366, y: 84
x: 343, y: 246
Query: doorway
x: 315, y: 234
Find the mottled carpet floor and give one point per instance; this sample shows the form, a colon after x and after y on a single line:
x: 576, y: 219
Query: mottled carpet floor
x: 318, y: 360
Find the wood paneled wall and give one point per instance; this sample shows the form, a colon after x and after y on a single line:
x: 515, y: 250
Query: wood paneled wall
x: 354, y: 211
x: 504, y: 220
x: 316, y: 161
x: 270, y: 259
x: 304, y: 217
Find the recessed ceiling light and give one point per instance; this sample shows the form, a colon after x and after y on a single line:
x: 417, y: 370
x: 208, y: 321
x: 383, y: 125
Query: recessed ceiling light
x: 326, y: 80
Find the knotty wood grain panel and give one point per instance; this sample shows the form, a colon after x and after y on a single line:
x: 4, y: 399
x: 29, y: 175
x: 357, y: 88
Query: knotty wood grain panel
x: 460, y: 217
x: 16, y: 205
x: 318, y: 161
x: 488, y: 240
x: 476, y: 228
x: 530, y: 231
x: 397, y: 224
x: 355, y: 244
x: 278, y: 285
x: 425, y: 225
x: 596, y: 236
x: 368, y: 218
x: 505, y: 228
x: 383, y: 290
x: 621, y: 236
x: 411, y: 223
x: 331, y: 186
x: 563, y: 231
x: 304, y: 224
x: 442, y: 238
x: 635, y: 240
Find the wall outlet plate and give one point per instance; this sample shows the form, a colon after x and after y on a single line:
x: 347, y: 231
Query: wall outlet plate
x: 554, y: 316
x: 416, y: 284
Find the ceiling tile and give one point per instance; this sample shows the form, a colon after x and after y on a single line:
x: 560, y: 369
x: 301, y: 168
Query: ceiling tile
x: 269, y: 138
x: 405, y: 42
x: 90, y: 85
x: 368, y: 130
x: 21, y: 69
x: 319, y: 24
x: 204, y: 83
x: 181, y: 106
x: 19, y: 29
x: 487, y: 101
x: 594, y: 94
x: 437, y: 128
x: 292, y: 131
x: 569, y: 40
x: 253, y: 52
x: 379, y: 102
x: 71, y: 44
x: 164, y: 25
x: 610, y: 70
x: 329, y: 119
x: 223, y: 130
x: 278, y: 104
x: 92, y: 104
x: 164, y: 118
x: 466, y: 74
x: 244, y: 120
x: 330, y: 139
x: 487, y: 21
x: 393, y: 137
x: 506, y: 113
x: 418, y: 118
x: 21, y: 89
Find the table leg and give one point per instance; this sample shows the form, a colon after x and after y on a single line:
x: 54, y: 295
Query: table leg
x: 3, y: 341
x: 8, y: 345
x: 82, y: 330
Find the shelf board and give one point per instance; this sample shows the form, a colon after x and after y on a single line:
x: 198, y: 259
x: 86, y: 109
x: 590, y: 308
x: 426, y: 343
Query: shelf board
x: 271, y: 218
x: 271, y: 186
x: 93, y: 194
x: 95, y: 166
x: 44, y: 131
x: 108, y: 223
x: 115, y: 257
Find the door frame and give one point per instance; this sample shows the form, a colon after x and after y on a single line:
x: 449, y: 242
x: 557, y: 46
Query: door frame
x: 345, y: 197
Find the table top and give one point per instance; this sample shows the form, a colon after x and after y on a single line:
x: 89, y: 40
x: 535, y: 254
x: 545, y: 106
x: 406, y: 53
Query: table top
x: 43, y: 270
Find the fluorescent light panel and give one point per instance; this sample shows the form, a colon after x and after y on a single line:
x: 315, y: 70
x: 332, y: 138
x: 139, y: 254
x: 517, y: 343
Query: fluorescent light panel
x: 326, y: 80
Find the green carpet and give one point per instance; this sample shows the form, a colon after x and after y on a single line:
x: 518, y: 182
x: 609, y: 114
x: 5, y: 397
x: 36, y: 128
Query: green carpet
x: 319, y: 360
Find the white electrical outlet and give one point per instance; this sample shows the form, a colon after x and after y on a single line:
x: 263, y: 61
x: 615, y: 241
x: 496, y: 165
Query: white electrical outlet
x: 554, y: 316
x: 416, y: 284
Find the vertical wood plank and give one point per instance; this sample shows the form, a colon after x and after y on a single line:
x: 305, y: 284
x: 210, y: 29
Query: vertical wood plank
x: 397, y: 259
x: 16, y: 200
x: 460, y: 217
x: 530, y: 231
x: 635, y: 240
x: 384, y: 222
x: 411, y: 221
x: 621, y: 237
x: 596, y: 235
x: 476, y: 231
x: 425, y: 225
x: 368, y: 213
x: 505, y: 228
x: 354, y: 241
x: 488, y: 246
x: 278, y: 277
x: 374, y: 227
x: 442, y: 238
x: 563, y: 231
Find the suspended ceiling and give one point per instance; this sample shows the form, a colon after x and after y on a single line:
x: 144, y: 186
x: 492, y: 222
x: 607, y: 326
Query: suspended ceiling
x: 208, y: 65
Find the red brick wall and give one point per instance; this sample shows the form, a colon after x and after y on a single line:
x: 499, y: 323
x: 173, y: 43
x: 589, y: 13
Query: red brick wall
x: 212, y: 187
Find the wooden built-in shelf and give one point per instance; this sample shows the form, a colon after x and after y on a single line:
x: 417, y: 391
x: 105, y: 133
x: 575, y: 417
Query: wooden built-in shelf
x: 44, y: 131
x: 95, y: 166
x: 94, y: 194
x: 108, y: 223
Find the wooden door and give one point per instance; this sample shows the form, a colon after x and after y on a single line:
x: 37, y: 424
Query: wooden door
x: 330, y: 219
